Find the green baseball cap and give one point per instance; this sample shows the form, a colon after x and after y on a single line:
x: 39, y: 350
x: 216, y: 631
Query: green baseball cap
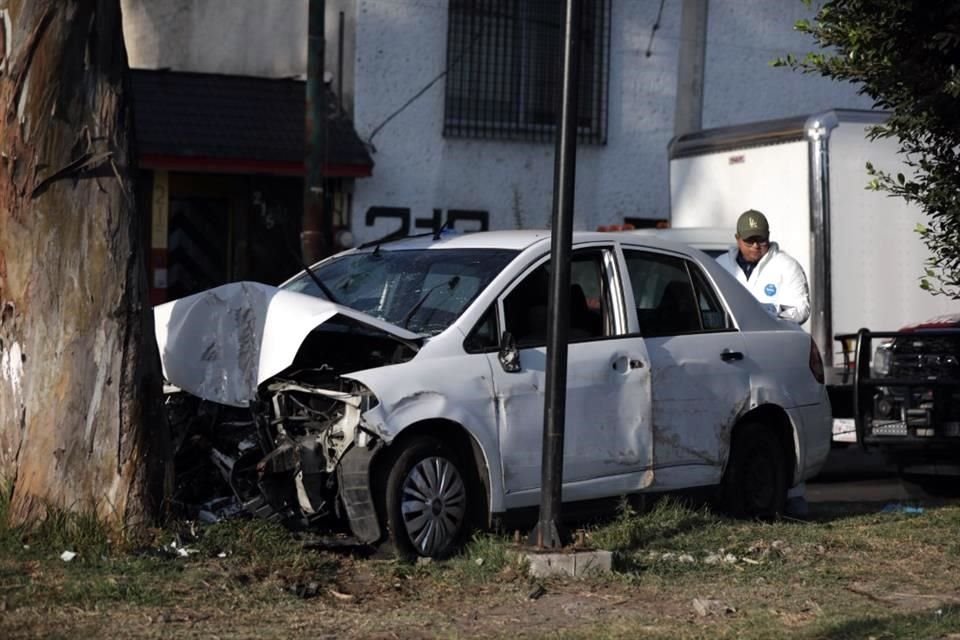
x: 752, y: 223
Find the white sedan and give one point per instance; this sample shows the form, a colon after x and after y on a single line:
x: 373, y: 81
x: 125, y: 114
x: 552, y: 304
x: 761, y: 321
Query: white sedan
x: 400, y: 386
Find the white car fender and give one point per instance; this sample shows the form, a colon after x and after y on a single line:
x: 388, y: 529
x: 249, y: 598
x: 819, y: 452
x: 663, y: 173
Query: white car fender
x: 400, y: 406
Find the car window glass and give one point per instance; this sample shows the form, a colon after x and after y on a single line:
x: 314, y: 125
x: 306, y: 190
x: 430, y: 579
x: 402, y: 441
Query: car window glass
x: 484, y: 336
x: 712, y: 314
x: 666, y: 301
x: 525, y: 307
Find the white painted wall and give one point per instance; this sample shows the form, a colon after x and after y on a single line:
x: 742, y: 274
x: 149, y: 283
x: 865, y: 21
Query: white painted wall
x: 244, y: 37
x: 417, y: 168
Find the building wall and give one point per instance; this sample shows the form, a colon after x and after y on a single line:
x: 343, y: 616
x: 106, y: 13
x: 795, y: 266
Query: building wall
x: 418, y: 169
x: 244, y: 37
x: 744, y: 36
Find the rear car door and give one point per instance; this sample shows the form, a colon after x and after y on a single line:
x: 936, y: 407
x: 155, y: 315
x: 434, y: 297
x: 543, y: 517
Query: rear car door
x: 700, y: 383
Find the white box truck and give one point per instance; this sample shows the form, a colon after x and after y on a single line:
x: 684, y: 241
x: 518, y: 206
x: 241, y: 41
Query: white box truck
x: 858, y: 247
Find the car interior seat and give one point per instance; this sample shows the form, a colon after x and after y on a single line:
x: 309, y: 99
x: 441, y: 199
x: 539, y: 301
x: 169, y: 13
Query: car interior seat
x: 677, y: 310
x: 584, y: 323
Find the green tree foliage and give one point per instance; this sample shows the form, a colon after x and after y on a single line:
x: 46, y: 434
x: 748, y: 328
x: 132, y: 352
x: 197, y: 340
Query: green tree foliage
x: 905, y: 55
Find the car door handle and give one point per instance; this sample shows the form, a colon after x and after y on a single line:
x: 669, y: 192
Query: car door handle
x: 624, y: 364
x: 729, y: 356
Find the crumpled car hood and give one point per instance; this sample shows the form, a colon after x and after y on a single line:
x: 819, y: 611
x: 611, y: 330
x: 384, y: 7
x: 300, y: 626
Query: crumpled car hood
x: 221, y: 344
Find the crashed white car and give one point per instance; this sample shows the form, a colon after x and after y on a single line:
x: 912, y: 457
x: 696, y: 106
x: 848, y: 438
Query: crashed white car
x: 399, y: 387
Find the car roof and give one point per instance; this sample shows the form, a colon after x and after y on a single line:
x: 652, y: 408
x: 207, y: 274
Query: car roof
x: 713, y: 237
x: 517, y: 240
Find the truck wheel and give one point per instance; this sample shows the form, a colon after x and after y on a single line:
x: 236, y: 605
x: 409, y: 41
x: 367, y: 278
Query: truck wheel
x: 428, y: 500
x: 754, y: 483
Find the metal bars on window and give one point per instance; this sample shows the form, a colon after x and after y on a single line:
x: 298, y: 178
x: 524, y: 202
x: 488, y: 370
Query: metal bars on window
x: 504, y: 69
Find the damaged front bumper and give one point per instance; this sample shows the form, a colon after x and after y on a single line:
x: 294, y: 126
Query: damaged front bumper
x: 300, y: 456
x: 260, y: 407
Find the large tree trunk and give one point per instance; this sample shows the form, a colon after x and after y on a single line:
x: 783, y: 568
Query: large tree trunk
x: 79, y: 374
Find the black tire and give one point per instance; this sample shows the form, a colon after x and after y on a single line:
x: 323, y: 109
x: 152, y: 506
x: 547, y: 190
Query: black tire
x: 430, y: 500
x: 754, y: 483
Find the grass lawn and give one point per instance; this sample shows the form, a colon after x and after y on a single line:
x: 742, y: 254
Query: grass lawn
x: 681, y: 572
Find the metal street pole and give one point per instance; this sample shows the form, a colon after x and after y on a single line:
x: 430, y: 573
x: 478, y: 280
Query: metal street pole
x: 314, y: 235
x: 549, y: 532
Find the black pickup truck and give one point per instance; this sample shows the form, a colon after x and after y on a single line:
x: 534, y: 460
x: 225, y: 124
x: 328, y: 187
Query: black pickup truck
x: 906, y: 400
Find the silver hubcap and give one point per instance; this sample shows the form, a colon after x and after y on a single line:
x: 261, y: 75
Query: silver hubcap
x: 433, y: 503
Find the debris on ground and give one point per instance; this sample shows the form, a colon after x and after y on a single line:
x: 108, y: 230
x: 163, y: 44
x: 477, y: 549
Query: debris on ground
x: 305, y: 590
x: 537, y: 592
x: 714, y: 558
x: 896, y: 507
x: 707, y: 607
x: 341, y: 596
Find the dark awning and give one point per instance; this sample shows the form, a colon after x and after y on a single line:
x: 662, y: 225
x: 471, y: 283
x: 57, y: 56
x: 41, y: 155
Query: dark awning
x: 203, y: 122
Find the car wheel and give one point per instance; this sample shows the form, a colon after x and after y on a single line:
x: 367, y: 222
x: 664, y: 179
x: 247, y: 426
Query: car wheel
x: 754, y: 484
x: 428, y: 500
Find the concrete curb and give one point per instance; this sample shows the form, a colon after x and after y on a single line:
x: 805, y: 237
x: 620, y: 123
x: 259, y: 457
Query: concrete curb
x: 573, y: 564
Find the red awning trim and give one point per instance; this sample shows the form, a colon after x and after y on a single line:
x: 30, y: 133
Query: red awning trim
x: 197, y: 164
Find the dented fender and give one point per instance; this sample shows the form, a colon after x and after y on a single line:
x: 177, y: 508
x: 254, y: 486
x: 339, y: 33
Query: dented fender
x: 409, y: 396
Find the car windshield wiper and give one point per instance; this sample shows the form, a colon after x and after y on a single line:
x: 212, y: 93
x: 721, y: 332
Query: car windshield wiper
x: 317, y: 281
x: 451, y: 283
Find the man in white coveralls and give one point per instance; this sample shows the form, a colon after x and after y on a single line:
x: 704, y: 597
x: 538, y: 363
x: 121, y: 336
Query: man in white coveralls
x: 772, y: 276
x: 778, y: 282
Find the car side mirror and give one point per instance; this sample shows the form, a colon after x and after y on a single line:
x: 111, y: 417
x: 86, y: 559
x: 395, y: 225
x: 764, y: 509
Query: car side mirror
x: 508, y: 355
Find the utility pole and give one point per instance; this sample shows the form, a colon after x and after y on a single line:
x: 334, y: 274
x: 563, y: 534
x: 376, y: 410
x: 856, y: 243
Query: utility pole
x: 549, y: 533
x: 316, y: 230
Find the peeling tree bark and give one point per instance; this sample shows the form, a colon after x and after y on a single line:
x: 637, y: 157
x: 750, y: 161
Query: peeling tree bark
x: 79, y: 373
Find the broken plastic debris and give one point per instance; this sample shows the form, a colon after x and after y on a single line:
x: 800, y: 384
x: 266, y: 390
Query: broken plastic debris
x: 304, y: 590
x: 896, y: 507
x: 182, y: 551
x: 67, y: 556
x: 218, y: 509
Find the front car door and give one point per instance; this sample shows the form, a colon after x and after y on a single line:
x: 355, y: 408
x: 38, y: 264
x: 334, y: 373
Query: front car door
x: 607, y: 442
x: 700, y: 382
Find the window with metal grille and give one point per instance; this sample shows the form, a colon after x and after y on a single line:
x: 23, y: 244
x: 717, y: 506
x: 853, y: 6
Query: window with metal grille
x: 504, y: 61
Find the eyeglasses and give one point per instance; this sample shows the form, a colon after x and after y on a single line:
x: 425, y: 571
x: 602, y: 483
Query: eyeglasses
x: 756, y: 241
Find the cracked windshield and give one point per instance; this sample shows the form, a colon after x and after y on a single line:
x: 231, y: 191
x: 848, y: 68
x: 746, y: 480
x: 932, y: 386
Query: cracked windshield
x: 419, y: 290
